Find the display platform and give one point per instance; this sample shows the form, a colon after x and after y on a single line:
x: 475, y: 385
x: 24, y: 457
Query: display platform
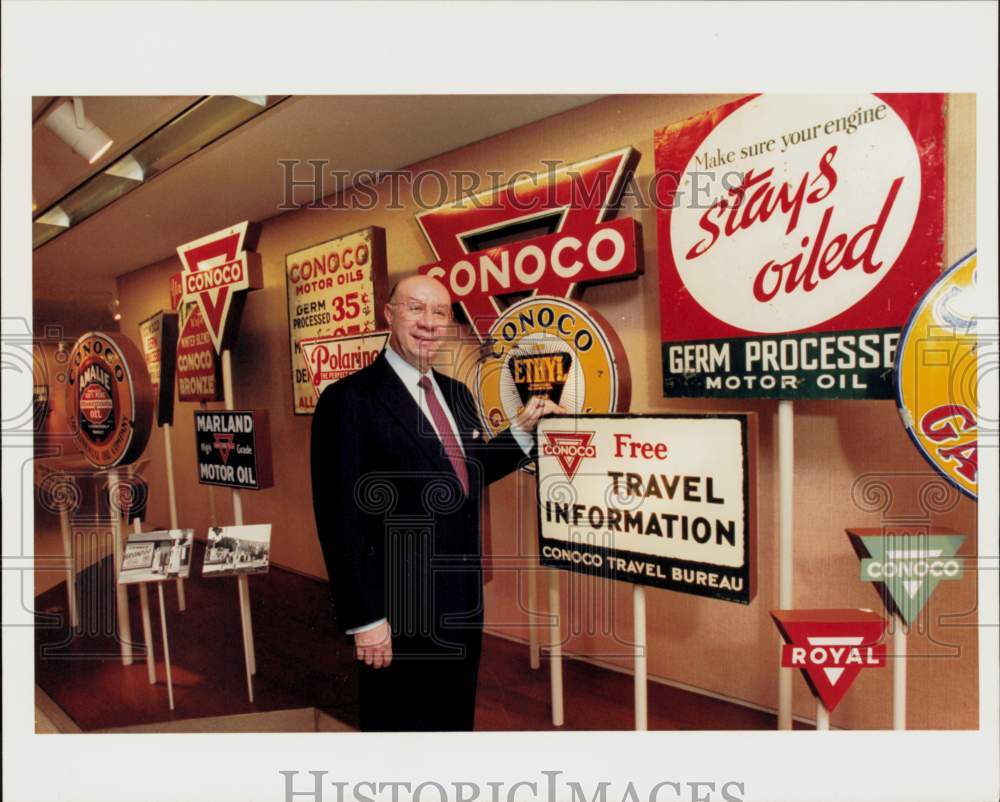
x: 304, y: 662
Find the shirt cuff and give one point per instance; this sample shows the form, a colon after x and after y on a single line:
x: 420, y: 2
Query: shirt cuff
x: 366, y: 627
x: 524, y: 439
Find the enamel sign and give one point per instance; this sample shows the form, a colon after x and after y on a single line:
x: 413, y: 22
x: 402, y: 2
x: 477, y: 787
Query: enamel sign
x: 158, y: 335
x: 661, y: 500
x: 796, y: 232
x: 937, y: 377
x: 219, y: 270
x: 109, y: 399
x: 234, y: 449
x: 549, y: 234
x: 831, y: 647
x: 554, y: 347
x: 906, y: 564
x: 336, y: 294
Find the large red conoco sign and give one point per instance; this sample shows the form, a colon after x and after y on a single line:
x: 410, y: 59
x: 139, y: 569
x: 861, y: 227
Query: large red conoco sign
x: 572, y: 207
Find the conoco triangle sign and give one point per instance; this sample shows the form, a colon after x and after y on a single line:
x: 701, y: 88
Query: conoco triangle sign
x: 218, y: 270
x: 569, y: 214
x: 906, y: 564
x: 831, y: 647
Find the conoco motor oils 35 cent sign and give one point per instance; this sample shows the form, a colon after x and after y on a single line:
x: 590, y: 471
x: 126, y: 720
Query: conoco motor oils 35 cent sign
x: 336, y: 291
x: 795, y: 235
x: 109, y: 398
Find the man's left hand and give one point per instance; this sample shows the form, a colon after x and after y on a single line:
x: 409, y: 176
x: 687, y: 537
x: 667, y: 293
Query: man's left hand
x: 537, y: 406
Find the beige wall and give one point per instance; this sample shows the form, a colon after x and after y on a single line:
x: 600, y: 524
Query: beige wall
x: 723, y: 648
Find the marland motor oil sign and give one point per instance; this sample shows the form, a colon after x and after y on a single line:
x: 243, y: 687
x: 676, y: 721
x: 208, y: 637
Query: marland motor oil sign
x: 795, y: 235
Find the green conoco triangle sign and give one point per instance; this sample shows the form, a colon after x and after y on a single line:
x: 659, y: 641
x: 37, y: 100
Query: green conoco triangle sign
x: 907, y: 566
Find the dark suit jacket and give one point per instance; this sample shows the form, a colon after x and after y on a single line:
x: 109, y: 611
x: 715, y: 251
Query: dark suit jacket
x: 399, y: 537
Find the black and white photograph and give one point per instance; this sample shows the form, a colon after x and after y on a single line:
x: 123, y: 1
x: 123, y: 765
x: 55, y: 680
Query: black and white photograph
x: 156, y: 556
x: 233, y: 550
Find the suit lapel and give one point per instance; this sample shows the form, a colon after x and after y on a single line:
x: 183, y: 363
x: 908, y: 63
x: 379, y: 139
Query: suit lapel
x: 396, y: 399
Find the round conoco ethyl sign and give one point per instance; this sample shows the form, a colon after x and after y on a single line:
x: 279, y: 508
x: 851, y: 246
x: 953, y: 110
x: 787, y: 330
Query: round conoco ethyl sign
x: 109, y: 399
x: 554, y: 347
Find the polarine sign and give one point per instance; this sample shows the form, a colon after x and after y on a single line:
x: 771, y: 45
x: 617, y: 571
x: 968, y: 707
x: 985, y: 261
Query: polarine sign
x: 795, y: 235
x: 571, y: 207
x: 906, y: 564
x: 661, y: 500
x: 218, y: 271
x: 831, y: 647
x: 937, y: 377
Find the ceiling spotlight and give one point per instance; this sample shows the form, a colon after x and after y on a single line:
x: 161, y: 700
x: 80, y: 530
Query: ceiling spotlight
x: 69, y: 124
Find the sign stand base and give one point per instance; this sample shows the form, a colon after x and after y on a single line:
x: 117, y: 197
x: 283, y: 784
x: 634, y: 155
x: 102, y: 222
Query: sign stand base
x: 822, y: 716
x: 67, y: 539
x: 243, y: 586
x: 898, y: 673
x: 166, y: 645
x: 639, y: 627
x: 121, y: 591
x: 786, y: 500
x: 147, y: 626
x: 555, y: 650
x: 172, y: 496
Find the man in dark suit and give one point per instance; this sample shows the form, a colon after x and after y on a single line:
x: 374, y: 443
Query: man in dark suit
x: 398, y: 470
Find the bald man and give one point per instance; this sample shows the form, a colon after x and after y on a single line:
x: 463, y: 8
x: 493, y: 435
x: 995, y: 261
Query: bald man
x: 399, y: 467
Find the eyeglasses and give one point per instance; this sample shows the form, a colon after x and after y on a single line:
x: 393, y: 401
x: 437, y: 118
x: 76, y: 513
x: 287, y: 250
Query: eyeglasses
x: 414, y: 310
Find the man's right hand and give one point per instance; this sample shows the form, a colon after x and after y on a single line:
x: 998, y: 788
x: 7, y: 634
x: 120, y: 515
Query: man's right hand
x: 374, y: 646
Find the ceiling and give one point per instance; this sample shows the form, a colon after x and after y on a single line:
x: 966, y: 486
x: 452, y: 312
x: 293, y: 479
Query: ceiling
x: 238, y: 177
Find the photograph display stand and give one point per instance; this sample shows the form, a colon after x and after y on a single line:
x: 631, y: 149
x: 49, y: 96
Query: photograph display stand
x: 241, y: 581
x: 786, y: 473
x: 172, y: 496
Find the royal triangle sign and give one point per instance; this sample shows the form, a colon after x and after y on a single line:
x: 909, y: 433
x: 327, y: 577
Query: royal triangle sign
x: 218, y: 270
x: 907, y: 564
x: 831, y: 647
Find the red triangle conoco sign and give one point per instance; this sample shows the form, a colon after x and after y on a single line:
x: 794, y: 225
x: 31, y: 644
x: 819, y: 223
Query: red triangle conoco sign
x: 831, y: 647
x: 218, y: 270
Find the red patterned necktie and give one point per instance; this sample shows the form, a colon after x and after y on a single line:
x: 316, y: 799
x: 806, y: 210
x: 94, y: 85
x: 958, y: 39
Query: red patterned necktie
x: 446, y: 433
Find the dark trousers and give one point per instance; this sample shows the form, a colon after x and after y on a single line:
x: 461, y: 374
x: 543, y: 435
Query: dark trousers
x: 425, y: 689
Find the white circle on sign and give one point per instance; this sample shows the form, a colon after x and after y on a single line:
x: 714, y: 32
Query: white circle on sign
x: 756, y: 264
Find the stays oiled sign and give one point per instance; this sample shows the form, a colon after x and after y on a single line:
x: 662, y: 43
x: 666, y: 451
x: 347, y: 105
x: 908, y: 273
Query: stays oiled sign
x: 795, y: 235
x: 661, y: 500
x: 336, y: 292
